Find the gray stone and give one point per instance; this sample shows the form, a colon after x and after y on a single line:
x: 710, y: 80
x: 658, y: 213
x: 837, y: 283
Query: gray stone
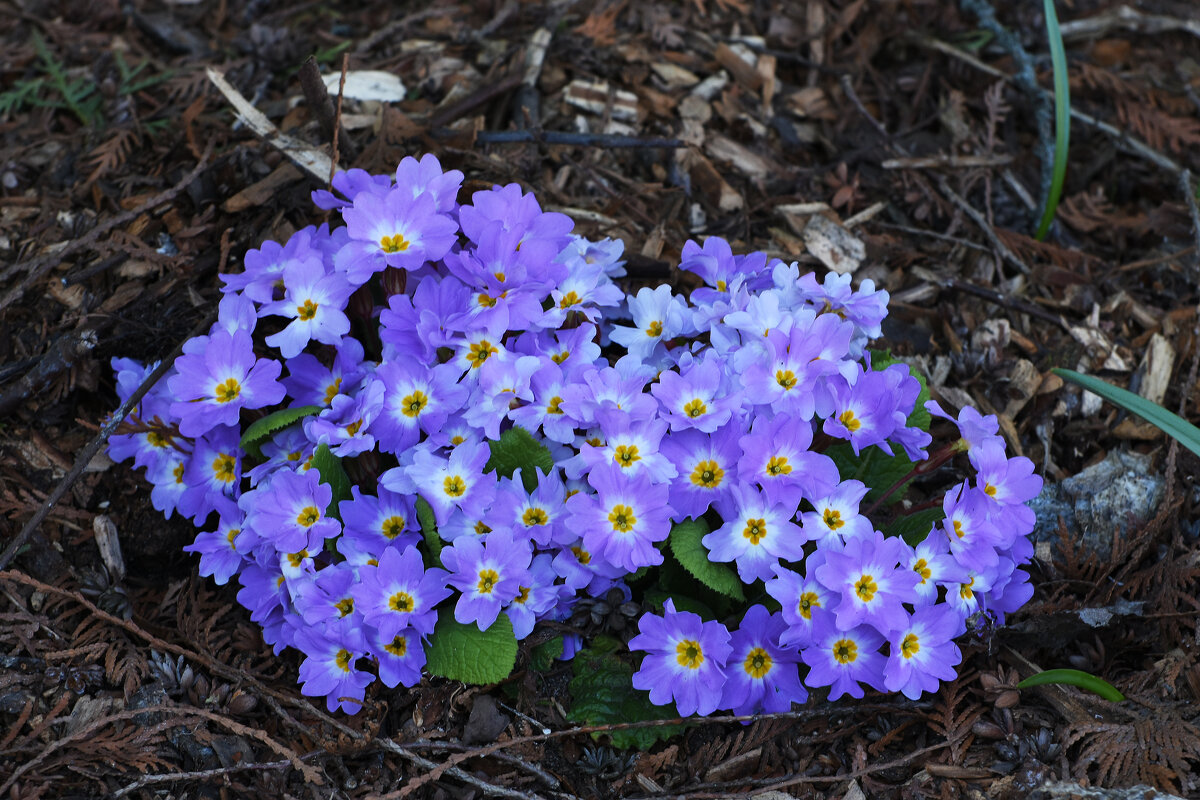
x: 1121, y: 490
x: 1055, y: 790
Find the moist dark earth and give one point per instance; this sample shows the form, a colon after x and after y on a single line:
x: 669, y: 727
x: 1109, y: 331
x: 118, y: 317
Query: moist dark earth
x: 920, y: 133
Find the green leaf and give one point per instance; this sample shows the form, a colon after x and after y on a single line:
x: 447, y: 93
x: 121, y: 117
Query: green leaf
x: 1062, y: 117
x: 262, y: 429
x: 517, y: 449
x: 541, y: 658
x: 1074, y: 677
x: 1171, y: 424
x: 873, y: 467
x: 602, y: 694
x: 913, y: 528
x: 333, y: 473
x: 689, y: 550
x: 428, y: 522
x: 465, y: 653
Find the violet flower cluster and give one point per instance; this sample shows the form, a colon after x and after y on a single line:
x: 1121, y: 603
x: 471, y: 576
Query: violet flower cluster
x: 409, y: 339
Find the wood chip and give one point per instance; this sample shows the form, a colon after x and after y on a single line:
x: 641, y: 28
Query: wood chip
x: 595, y: 97
x: 751, y: 165
x: 1023, y: 384
x: 367, y: 84
x: 836, y: 248
x: 709, y: 181
x: 1157, y: 364
x: 674, y: 76
x: 742, y: 69
x: 257, y: 194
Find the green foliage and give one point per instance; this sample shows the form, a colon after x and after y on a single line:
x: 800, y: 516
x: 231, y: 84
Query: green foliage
x: 262, y: 429
x: 541, y: 658
x: 517, y: 449
x: 1171, y: 424
x: 333, y: 473
x: 465, y: 653
x: 603, y: 694
x: 913, y: 528
x: 1074, y: 677
x: 688, y: 549
x: 433, y: 542
x: 1062, y: 117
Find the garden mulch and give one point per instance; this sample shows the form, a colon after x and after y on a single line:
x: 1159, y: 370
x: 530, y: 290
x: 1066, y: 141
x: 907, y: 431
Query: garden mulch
x: 904, y: 142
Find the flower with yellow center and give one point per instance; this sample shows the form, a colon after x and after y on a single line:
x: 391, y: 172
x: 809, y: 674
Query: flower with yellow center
x: 308, y: 516
x: 755, y: 530
x: 865, y: 588
x: 488, y: 578
x: 227, y: 391
x: 479, y: 352
x: 224, y: 468
x: 454, y: 486
x: 414, y: 404
x: 707, y: 474
x: 910, y: 646
x: 654, y: 329
x: 786, y: 379
x: 778, y: 465
x: 695, y: 408
x: 845, y: 651
x: 758, y: 663
x: 848, y: 419
x: 402, y: 602
x: 626, y: 455
x: 535, y: 516
x: 832, y: 519
x: 394, y: 244
x: 622, y: 518
x: 689, y: 654
x: 306, y: 310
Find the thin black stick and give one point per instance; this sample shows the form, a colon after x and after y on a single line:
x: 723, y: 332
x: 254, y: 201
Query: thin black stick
x: 93, y: 447
x: 562, y: 137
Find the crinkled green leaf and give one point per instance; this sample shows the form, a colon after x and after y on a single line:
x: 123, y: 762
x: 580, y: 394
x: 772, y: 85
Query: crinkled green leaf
x: 602, y: 694
x: 465, y: 653
x: 262, y: 429
x: 433, y: 542
x: 333, y: 473
x: 686, y: 545
x: 541, y: 657
x: 873, y: 467
x: 913, y: 528
x: 516, y: 448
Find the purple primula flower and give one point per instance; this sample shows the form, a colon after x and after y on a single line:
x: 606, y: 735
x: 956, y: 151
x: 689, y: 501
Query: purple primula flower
x: 400, y: 593
x: 623, y: 520
x: 761, y: 675
x: 863, y: 412
x: 658, y: 316
x: 378, y: 522
x: 706, y: 468
x: 328, y: 669
x: 346, y: 425
x: 473, y: 350
x: 790, y: 374
x: 393, y: 230
x: 289, y: 509
x: 489, y: 575
x: 502, y: 384
x: 798, y: 598
x: 350, y: 183
x: 693, y: 397
x: 583, y: 293
x: 427, y: 177
x: 535, y: 600
x: 835, y: 518
x: 545, y: 411
x: 219, y: 556
x: 213, y: 385
x: 1011, y: 484
x: 756, y: 534
x: 455, y: 482
x: 417, y: 398
x: 418, y: 326
x: 289, y: 449
x: 871, y: 584
x: 716, y: 265
x: 974, y: 428
x: 262, y: 279
x: 166, y: 479
x: 327, y: 604
x: 213, y: 472
x: 580, y: 570
x: 685, y: 660
x: 263, y: 591
x: 775, y: 455
x: 763, y: 313
x: 923, y: 652
x: 315, y: 301
x: 311, y: 383
x: 629, y: 445
x: 934, y: 566
x: 543, y: 234
x: 620, y: 388
x: 604, y: 255
x: 974, y: 538
x: 400, y: 657
x: 843, y: 659
x: 539, y: 518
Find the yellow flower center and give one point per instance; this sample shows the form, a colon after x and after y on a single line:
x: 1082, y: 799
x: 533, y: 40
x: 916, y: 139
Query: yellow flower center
x: 397, y: 647
x: 845, y: 651
x: 308, y: 516
x: 965, y: 591
x: 689, y: 654
x: 393, y: 526
x: 224, y: 467
x: 581, y: 555
x: 625, y: 455
x: 479, y: 353
x: 481, y: 529
x: 354, y: 427
x: 296, y: 559
x: 488, y: 578
x: 958, y: 529
x: 989, y: 490
x: 487, y: 301
x: 344, y: 606
x: 343, y: 659
x: 785, y: 378
x: 778, y: 465
x: 707, y: 474
x: 848, y: 419
x: 622, y: 518
x: 757, y: 663
x: 534, y: 516
x: 807, y: 601
x: 394, y: 244
x: 233, y: 534
x: 454, y: 486
x: 178, y: 473
x: 331, y: 391
x: 833, y: 519
x: 695, y: 408
x: 555, y: 405
x: 228, y: 391
x: 921, y: 567
x: 156, y: 439
x: 910, y: 646
x: 755, y: 530
x: 402, y: 602
x: 414, y: 404
x: 306, y: 310
x: 569, y: 299
x: 654, y: 329
x: 559, y: 358
x: 865, y: 587
x: 523, y: 596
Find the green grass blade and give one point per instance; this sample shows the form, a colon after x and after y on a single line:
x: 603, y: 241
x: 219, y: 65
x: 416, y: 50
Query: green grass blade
x: 1062, y: 118
x: 1173, y: 425
x: 1074, y: 677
